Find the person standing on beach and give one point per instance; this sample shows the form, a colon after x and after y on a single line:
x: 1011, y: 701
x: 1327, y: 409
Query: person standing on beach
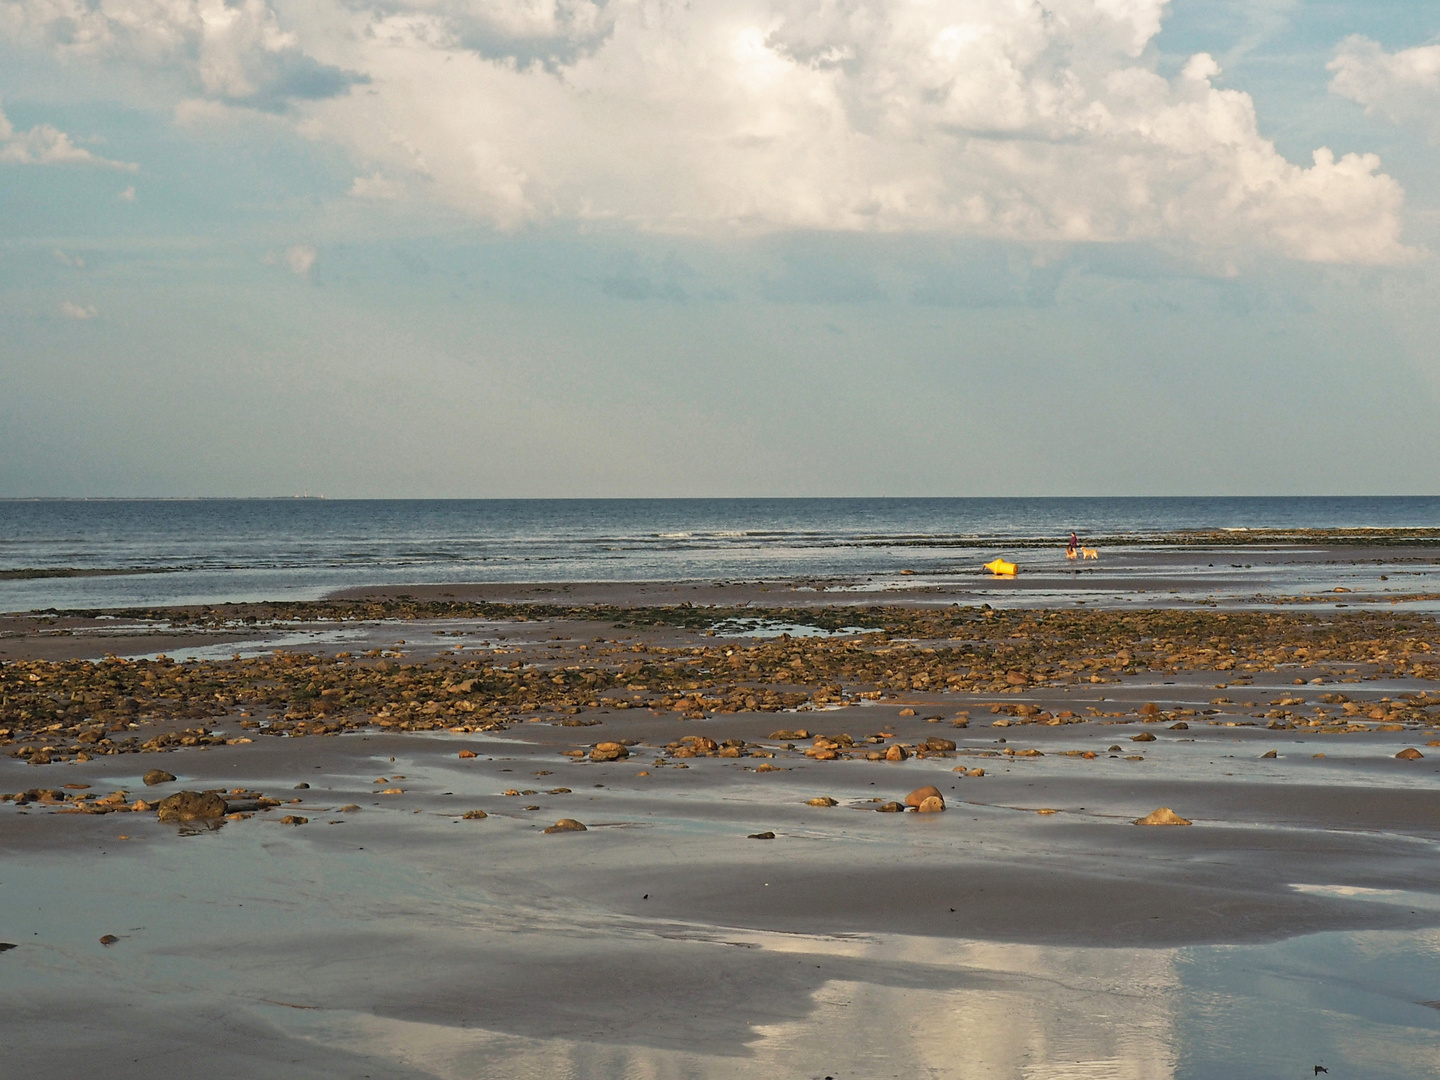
x: 1074, y: 543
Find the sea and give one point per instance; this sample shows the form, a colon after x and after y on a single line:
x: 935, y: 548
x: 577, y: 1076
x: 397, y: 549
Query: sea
x: 91, y: 553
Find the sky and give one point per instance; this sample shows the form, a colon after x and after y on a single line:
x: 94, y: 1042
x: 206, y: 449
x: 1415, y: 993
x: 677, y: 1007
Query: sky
x: 554, y: 248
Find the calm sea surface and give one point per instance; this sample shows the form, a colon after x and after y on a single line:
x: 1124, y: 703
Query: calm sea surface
x: 213, y: 550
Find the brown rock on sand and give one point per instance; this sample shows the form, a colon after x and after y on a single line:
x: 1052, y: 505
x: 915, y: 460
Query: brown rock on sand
x: 466, y: 754
x: 920, y: 794
x: 1409, y: 754
x: 191, y: 806
x: 609, y: 751
x: 1162, y: 816
x: 157, y: 776
x: 823, y: 800
x: 566, y: 824
x: 1144, y: 736
x: 891, y: 808
x: 931, y: 805
x: 474, y: 815
x: 896, y: 753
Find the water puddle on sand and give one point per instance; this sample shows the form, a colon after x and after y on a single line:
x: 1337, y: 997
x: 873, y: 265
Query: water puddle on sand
x: 350, y: 958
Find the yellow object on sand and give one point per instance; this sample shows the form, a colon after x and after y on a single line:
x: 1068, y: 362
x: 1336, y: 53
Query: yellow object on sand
x: 1001, y: 568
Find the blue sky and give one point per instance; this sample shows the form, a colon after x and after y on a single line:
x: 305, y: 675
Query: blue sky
x: 562, y: 247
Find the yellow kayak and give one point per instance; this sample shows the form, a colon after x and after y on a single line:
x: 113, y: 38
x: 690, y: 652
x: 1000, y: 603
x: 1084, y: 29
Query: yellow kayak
x: 1001, y: 568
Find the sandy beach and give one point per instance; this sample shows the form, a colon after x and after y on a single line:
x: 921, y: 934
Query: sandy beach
x: 343, y: 916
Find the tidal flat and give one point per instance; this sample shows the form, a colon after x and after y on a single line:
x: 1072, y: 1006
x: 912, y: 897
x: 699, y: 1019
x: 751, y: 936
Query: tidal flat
x: 361, y: 882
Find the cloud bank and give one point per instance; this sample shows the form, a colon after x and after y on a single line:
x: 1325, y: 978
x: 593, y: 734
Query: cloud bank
x: 1000, y: 119
x: 46, y: 145
x: 1403, y: 86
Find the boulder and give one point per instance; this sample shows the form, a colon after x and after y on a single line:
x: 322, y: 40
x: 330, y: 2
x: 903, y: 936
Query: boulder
x: 891, y: 808
x: 191, y: 806
x: 1144, y: 736
x: 823, y: 800
x: 609, y: 751
x: 896, y: 753
x: 1162, y: 816
x: 157, y: 776
x: 566, y: 824
x: 920, y: 794
x: 1409, y: 754
x: 939, y: 745
x: 931, y: 805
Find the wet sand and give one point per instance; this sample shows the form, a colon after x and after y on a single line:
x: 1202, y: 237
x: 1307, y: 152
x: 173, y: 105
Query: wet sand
x: 1296, y: 922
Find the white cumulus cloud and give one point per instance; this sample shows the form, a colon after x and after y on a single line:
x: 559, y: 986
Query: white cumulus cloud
x: 233, y: 50
x: 46, y: 145
x: 299, y: 259
x: 1007, y: 120
x: 1403, y: 86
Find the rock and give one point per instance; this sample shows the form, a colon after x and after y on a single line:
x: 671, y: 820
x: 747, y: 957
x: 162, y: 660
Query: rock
x: 1029, y: 753
x: 976, y: 772
x: 109, y: 939
x: 1016, y: 678
x: 823, y: 800
x: 1149, y: 709
x: 302, y: 786
x: 891, y: 808
x: 932, y: 805
x: 474, y: 815
x: 466, y: 754
x: 907, y: 712
x: 920, y: 794
x: 934, y: 742
x: 1144, y: 736
x: 609, y: 751
x: 157, y: 776
x: 767, y: 767
x: 6, y: 946
x: 191, y: 806
x: 294, y: 819
x: 1269, y: 754
x: 1162, y: 816
x: 1089, y: 755
x: 349, y: 808
x: 566, y: 824
x: 761, y: 836
x: 1409, y: 754
x: 395, y: 791
x: 896, y: 753
x: 1180, y: 725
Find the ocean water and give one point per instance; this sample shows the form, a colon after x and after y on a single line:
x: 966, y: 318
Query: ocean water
x: 214, y: 550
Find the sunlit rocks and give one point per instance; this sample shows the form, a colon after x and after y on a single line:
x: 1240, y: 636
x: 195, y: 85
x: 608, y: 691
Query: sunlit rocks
x: 1163, y: 816
x: 157, y: 776
x: 931, y: 805
x: 920, y: 794
x: 191, y: 806
x: 891, y: 808
x: 896, y: 753
x: 1409, y: 754
x: 566, y: 824
x: 474, y: 815
x: 609, y: 751
x: 823, y: 800
x: 1144, y: 736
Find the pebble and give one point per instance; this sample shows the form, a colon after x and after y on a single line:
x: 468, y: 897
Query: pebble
x: 823, y: 800
x: 890, y: 808
x: 466, y: 754
x: 767, y: 835
x: 157, y: 776
x: 1163, y: 816
x: 566, y: 824
x: 474, y: 815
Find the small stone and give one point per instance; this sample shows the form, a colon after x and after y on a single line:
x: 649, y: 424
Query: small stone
x: 1180, y: 726
x: 907, y: 712
x: 474, y: 815
x: 393, y: 791
x: 1046, y: 811
x: 294, y: 819
x: 1162, y: 816
x: 349, y: 808
x: 108, y: 939
x: 823, y: 800
x: 191, y: 806
x: 609, y: 751
x: 1089, y: 755
x: 932, y: 805
x: 302, y: 786
x: 896, y: 753
x: 939, y: 745
x: 1409, y: 754
x: 1149, y: 709
x: 566, y: 824
x: 891, y: 808
x: 920, y: 794
x: 1269, y: 754
x: 1144, y: 736
x: 157, y: 776
x: 976, y: 772
x: 466, y: 754
x: 767, y: 835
